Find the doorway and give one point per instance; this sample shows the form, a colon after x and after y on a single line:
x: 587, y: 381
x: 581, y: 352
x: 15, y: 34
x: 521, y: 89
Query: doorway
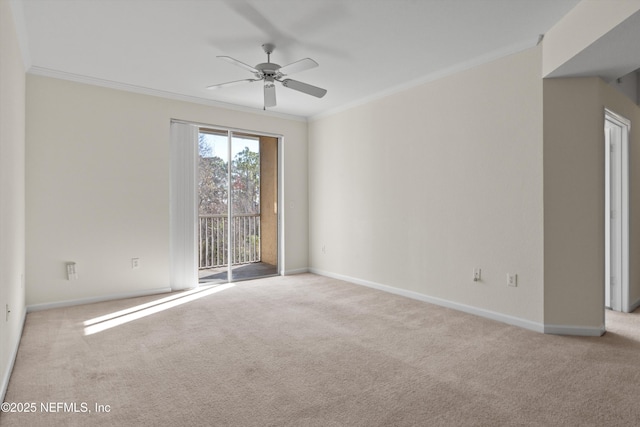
x: 237, y: 204
x: 616, y: 135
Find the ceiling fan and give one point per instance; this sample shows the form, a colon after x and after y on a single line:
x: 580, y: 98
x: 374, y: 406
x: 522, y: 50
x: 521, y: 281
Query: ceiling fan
x: 271, y: 73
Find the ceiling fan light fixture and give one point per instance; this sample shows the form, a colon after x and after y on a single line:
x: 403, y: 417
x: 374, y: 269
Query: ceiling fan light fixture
x: 269, y: 82
x: 269, y: 92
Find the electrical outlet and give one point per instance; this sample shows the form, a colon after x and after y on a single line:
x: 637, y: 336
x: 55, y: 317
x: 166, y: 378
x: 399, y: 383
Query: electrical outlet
x: 72, y: 271
x: 512, y: 279
x: 477, y: 274
x: 135, y: 263
x: 324, y: 249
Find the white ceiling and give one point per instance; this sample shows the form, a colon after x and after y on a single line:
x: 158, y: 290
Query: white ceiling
x: 365, y: 48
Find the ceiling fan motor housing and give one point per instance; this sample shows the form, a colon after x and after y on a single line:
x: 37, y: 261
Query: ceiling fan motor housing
x: 268, y: 69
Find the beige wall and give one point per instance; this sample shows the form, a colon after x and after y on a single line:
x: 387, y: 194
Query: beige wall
x: 573, y: 202
x: 574, y: 199
x: 12, y: 193
x: 98, y: 187
x: 415, y: 190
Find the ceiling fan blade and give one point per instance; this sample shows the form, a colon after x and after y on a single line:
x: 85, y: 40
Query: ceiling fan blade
x: 304, y: 88
x: 228, y: 84
x: 269, y: 94
x: 239, y: 64
x: 296, y: 67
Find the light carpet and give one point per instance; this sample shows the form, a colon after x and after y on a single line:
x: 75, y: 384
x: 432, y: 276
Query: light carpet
x: 307, y: 350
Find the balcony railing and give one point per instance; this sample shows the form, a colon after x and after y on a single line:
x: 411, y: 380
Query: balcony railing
x: 214, y: 243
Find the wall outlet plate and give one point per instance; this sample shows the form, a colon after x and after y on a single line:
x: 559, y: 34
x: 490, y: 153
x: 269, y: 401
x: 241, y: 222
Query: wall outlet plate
x: 72, y: 271
x: 512, y: 280
x: 135, y: 263
x: 477, y: 274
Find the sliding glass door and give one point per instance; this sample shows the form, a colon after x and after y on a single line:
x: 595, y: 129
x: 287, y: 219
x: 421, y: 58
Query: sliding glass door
x: 237, y: 206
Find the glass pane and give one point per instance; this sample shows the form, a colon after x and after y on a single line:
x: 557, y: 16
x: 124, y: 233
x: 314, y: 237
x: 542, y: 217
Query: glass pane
x: 245, y: 197
x: 237, y: 174
x: 213, y: 199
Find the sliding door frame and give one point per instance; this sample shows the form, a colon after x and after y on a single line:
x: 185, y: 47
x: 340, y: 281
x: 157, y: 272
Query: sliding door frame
x: 183, y: 183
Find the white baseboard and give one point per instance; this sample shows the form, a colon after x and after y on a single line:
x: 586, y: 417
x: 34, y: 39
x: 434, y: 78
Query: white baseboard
x: 504, y: 318
x: 633, y: 306
x: 579, y: 331
x: 6, y: 375
x: 297, y: 271
x: 69, y: 303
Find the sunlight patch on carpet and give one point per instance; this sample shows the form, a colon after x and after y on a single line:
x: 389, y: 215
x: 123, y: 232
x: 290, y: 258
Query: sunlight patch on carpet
x: 111, y: 320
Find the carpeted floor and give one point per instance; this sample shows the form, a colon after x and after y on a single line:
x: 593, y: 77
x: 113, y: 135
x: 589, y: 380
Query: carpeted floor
x: 306, y: 350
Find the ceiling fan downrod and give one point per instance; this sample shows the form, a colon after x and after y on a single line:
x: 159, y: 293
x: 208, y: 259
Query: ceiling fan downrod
x: 268, y: 49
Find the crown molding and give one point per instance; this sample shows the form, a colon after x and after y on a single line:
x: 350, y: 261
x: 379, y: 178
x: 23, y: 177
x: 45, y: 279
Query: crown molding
x: 457, y: 68
x: 47, y: 72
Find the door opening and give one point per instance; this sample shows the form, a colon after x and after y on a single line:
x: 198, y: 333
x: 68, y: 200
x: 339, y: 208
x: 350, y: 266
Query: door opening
x: 237, y: 206
x: 616, y: 133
